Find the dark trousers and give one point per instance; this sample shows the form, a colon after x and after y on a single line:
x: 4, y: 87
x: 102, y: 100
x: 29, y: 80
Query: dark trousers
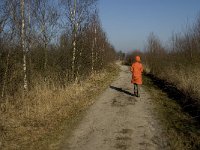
x: 136, y: 89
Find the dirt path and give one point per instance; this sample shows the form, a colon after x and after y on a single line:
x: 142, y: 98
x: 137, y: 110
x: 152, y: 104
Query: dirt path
x: 117, y: 121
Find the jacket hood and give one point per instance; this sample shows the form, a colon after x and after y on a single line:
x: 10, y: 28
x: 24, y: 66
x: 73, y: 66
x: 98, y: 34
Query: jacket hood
x: 137, y: 59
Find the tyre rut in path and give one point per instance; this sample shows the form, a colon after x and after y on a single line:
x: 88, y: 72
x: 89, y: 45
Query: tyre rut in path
x: 118, y: 121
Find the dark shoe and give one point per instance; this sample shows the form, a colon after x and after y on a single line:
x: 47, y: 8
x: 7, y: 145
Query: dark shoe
x: 137, y: 95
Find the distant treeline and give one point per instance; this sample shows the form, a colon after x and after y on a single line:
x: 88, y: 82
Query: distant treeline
x: 51, y: 43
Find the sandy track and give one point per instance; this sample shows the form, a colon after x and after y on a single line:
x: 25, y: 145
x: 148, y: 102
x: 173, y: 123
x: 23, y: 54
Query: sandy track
x: 117, y: 121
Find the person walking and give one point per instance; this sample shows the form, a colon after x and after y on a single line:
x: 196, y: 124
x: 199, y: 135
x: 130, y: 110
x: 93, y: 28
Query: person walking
x: 137, y: 69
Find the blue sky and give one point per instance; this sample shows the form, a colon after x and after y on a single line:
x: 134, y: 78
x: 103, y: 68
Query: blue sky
x: 128, y: 23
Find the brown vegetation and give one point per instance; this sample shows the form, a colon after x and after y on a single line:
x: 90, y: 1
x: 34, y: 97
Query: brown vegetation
x: 177, y: 64
x: 37, y: 120
x: 51, y: 55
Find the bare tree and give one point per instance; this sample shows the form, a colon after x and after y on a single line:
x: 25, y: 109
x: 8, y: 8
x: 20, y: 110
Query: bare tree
x: 22, y: 4
x: 94, y: 26
x: 77, y: 12
x: 30, y: 50
x: 46, y: 17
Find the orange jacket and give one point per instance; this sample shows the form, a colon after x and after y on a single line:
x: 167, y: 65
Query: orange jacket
x: 137, y: 70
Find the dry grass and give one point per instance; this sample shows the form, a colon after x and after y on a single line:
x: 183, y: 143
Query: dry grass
x: 185, y: 79
x: 181, y: 130
x: 34, y: 121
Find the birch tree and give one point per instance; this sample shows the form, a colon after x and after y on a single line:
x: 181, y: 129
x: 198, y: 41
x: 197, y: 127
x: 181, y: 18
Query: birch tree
x: 22, y: 8
x: 77, y: 12
x: 98, y: 38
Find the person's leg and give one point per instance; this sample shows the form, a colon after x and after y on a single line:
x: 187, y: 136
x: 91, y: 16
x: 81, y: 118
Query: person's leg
x: 138, y: 90
x: 135, y: 88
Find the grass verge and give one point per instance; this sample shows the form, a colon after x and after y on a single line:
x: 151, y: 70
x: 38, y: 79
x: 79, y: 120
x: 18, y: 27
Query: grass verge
x: 181, y: 130
x: 39, y: 120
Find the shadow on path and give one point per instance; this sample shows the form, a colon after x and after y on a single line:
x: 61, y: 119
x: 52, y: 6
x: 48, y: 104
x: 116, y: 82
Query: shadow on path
x: 121, y: 90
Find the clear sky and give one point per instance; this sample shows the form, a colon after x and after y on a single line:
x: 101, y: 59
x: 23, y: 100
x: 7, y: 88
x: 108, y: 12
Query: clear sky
x: 128, y: 23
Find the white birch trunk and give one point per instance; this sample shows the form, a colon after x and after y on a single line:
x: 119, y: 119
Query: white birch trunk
x: 74, y: 41
x: 79, y: 65
x: 95, y: 44
x: 92, y: 56
x: 29, y: 44
x: 102, y: 55
x: 23, y: 44
x: 74, y: 56
x: 93, y: 49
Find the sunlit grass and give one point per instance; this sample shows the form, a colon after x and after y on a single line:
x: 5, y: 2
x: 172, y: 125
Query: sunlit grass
x: 35, y: 121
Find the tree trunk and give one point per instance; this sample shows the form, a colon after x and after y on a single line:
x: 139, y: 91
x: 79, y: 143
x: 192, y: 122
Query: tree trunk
x: 23, y: 44
x: 45, y: 59
x: 5, y: 75
x: 93, y: 48
x: 93, y: 56
x: 102, y: 55
x: 74, y: 41
x: 95, y: 45
x: 79, y: 65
